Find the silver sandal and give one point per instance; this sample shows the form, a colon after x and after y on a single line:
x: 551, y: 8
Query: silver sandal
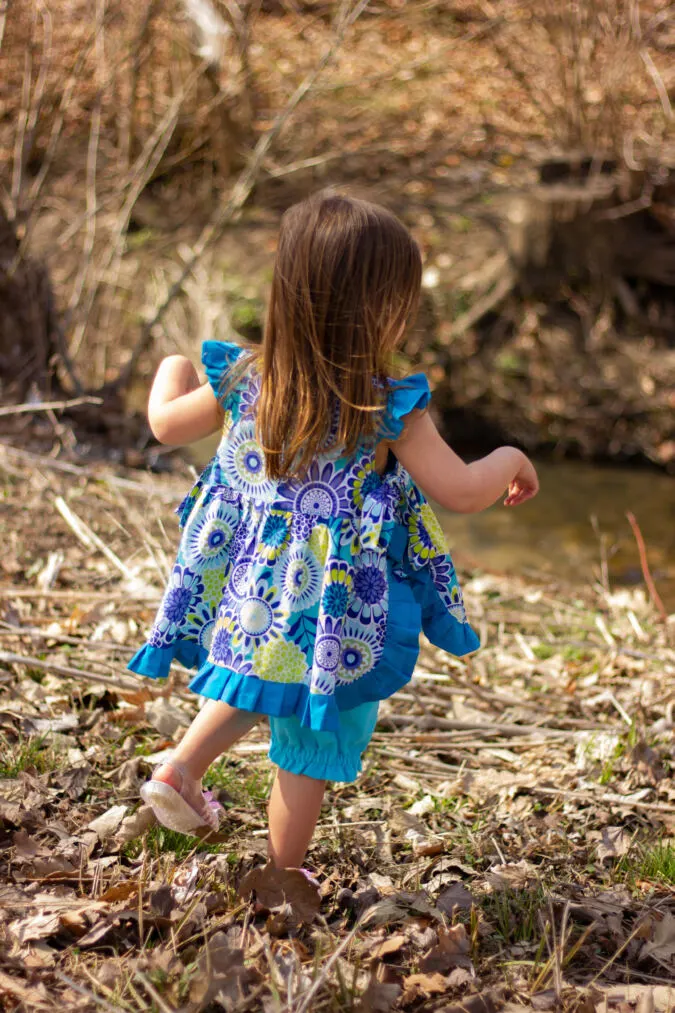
x: 172, y: 810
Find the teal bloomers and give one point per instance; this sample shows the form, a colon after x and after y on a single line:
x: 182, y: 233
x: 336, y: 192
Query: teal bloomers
x: 329, y: 756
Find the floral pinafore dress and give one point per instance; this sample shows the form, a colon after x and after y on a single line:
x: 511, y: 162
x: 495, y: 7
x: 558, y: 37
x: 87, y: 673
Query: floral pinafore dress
x: 304, y: 597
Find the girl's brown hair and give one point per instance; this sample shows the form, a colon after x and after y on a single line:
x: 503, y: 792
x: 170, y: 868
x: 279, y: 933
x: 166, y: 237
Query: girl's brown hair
x: 346, y: 282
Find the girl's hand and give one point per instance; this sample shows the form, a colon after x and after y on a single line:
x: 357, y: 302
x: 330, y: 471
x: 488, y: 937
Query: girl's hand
x: 524, y: 486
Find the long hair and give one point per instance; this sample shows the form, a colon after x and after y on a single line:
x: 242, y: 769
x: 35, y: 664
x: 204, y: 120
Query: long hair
x: 346, y: 283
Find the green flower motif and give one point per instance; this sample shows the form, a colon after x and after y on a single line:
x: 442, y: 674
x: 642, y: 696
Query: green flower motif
x: 279, y: 661
x: 426, y: 535
x: 214, y: 581
x: 319, y: 542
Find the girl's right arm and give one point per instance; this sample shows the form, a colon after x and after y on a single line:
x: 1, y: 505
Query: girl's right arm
x: 464, y: 488
x: 179, y: 410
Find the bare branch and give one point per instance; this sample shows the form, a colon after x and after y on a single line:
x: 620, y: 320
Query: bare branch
x: 347, y: 15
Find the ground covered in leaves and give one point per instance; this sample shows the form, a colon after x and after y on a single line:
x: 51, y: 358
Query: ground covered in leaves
x: 508, y: 846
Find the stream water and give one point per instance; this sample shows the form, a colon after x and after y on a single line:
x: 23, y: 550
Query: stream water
x: 578, y: 518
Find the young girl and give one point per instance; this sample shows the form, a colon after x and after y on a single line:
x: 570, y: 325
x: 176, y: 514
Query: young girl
x: 310, y: 559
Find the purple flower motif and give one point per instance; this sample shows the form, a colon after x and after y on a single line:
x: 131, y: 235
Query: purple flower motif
x: 248, y: 394
x: 223, y: 653
x: 324, y: 493
x: 370, y: 589
x: 442, y: 572
x: 201, y: 623
x: 327, y: 647
x: 185, y: 588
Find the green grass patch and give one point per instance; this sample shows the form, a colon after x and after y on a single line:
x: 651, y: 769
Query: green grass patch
x: 515, y: 913
x: 160, y: 840
x: 254, y: 786
x: 655, y: 864
x: 31, y: 753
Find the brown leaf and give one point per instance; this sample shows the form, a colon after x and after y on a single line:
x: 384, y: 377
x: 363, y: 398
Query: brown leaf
x: 456, y: 896
x: 135, y: 825
x: 274, y: 887
x: 378, y: 997
x: 72, y: 781
x: 613, y: 842
x: 220, y: 971
x: 662, y: 946
x: 422, y: 986
x: 452, y: 950
x: 398, y: 907
x: 127, y: 777
x: 26, y: 847
x: 37, y: 926
x: 108, y: 822
x: 11, y: 812
x: 481, y: 1002
x: 648, y: 762
x: 121, y: 891
x: 162, y: 900
x: 388, y: 946
x: 512, y: 875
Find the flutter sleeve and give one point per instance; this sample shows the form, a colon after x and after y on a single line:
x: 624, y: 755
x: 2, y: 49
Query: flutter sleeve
x: 217, y: 358
x: 404, y: 396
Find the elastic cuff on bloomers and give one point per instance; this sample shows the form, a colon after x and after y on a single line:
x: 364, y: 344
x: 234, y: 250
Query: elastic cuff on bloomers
x: 325, y: 756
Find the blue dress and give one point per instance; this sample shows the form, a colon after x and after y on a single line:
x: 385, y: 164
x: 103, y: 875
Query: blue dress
x: 304, y: 597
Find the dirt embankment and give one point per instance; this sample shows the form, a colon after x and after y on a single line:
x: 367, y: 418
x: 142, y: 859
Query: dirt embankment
x: 549, y: 314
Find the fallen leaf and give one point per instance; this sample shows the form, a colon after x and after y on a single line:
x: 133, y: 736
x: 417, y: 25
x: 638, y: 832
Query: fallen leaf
x: 36, y: 926
x: 512, y: 875
x: 165, y: 717
x: 481, y: 1002
x: 106, y: 824
x: 378, y: 997
x: 26, y: 847
x: 613, y: 842
x: 455, y: 897
x: 399, y: 907
x: 422, y: 986
x: 274, y: 887
x: 662, y: 946
x: 121, y: 891
x: 451, y: 950
x: 220, y: 972
x: 135, y: 825
x: 388, y: 946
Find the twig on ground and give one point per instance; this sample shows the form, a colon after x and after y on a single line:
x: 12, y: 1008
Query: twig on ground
x: 44, y: 406
x: 646, y: 573
x: 117, y: 681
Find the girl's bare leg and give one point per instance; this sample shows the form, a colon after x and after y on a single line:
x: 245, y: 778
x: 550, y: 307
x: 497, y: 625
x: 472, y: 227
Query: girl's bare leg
x: 294, y: 807
x: 215, y: 729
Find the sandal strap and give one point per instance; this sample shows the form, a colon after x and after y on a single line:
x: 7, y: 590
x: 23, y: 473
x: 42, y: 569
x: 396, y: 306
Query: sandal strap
x: 178, y: 767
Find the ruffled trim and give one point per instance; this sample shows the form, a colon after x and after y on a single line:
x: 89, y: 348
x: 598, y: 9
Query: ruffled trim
x: 404, y: 397
x: 439, y: 625
x: 217, y: 358
x: 278, y: 700
x: 155, y: 662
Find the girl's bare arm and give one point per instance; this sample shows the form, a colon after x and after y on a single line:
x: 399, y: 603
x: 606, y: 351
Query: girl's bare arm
x: 464, y: 488
x: 179, y: 409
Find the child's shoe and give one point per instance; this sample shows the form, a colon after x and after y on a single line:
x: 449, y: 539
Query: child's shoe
x: 178, y: 801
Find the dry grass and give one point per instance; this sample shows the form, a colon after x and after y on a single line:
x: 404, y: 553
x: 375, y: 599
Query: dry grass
x: 119, y: 133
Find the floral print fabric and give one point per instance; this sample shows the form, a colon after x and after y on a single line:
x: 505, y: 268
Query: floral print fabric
x: 287, y: 582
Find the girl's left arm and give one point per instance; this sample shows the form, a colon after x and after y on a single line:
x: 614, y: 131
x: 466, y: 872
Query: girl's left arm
x: 179, y: 409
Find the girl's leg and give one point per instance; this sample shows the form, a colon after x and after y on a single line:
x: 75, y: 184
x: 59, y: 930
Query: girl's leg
x: 214, y: 730
x: 294, y: 807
